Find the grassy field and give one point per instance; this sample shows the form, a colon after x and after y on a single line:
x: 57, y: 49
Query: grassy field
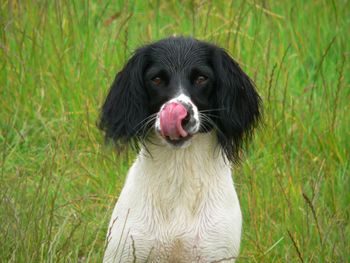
x: 58, y: 182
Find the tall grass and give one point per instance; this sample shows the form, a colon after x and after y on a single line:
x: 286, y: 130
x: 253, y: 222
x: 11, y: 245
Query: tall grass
x: 58, y: 183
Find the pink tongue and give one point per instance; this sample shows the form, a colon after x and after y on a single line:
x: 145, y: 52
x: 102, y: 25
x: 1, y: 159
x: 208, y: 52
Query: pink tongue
x: 171, y: 117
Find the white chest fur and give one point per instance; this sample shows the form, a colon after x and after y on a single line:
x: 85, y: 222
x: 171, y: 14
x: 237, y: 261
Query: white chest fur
x: 176, y: 206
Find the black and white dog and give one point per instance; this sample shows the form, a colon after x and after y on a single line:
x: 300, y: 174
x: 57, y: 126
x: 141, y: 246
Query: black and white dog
x: 190, y: 107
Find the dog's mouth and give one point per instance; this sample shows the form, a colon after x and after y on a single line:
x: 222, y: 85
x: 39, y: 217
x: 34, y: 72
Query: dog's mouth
x: 178, y: 142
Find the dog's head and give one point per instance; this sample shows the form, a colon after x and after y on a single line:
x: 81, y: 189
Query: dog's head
x: 180, y: 87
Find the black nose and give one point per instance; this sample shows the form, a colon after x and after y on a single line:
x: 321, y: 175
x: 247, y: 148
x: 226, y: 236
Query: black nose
x: 186, y: 120
x: 189, y: 122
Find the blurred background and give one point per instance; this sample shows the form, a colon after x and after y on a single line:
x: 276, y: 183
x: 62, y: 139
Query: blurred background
x: 59, y: 182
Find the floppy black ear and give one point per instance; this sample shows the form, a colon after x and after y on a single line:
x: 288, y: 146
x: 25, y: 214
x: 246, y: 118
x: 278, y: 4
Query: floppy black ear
x: 126, y: 103
x: 239, y: 104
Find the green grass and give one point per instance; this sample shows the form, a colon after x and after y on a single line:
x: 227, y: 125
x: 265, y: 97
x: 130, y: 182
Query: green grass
x: 58, y: 183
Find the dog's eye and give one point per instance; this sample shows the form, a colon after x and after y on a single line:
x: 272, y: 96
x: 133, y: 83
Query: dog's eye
x: 201, y: 80
x: 157, y: 81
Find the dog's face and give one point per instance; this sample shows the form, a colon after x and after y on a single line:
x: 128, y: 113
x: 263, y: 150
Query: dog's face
x: 179, y: 82
x: 180, y: 87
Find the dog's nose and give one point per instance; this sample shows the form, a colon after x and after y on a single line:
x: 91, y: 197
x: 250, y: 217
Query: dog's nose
x: 173, y: 117
x: 186, y: 120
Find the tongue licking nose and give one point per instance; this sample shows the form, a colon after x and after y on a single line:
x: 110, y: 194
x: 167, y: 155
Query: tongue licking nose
x: 171, y: 118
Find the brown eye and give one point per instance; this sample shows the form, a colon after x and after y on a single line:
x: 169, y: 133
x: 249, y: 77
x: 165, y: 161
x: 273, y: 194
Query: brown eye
x: 201, y: 80
x: 157, y: 81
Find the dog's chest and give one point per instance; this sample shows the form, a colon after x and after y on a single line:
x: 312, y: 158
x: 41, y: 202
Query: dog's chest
x: 175, y: 202
x: 176, y: 208
x: 188, y: 230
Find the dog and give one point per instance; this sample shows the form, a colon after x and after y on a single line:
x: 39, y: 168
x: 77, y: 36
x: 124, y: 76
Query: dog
x: 188, y: 107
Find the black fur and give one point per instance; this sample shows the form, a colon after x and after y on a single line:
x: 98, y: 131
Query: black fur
x: 228, y: 99
x: 236, y: 94
x: 126, y: 104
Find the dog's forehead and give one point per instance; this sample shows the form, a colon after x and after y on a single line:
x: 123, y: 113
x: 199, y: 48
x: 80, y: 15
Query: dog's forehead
x: 179, y: 53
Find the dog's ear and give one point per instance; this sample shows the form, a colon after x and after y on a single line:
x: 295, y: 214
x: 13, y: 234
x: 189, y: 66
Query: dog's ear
x: 238, y: 102
x: 126, y: 105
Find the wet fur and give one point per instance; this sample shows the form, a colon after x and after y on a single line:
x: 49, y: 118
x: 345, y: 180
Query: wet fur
x: 179, y: 204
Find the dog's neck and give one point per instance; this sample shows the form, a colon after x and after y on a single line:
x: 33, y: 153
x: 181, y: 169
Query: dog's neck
x: 181, y: 179
x: 202, y: 154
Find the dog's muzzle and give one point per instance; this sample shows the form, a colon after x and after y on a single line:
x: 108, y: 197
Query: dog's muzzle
x: 171, y: 121
x: 177, y: 120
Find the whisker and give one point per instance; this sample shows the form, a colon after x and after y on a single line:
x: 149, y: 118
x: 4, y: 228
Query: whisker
x: 205, y: 127
x: 147, y: 126
x: 211, y: 115
x: 145, y: 120
x: 145, y: 133
x: 217, y: 109
x: 210, y: 121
